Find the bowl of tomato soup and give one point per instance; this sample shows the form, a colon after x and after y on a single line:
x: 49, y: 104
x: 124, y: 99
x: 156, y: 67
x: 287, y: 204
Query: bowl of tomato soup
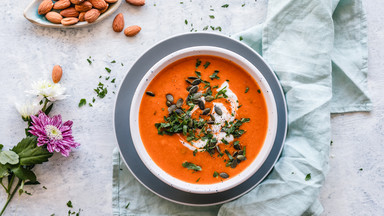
x: 203, y: 119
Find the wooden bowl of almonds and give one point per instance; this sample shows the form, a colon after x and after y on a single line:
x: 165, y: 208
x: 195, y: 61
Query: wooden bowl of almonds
x: 69, y: 13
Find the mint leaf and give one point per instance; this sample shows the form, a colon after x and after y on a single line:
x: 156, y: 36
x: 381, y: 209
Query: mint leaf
x: 82, y: 102
x: 31, y: 154
x: 24, y: 174
x: 9, y: 157
x: 191, y: 166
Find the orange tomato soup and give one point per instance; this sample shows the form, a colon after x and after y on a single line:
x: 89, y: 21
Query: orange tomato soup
x: 168, y: 152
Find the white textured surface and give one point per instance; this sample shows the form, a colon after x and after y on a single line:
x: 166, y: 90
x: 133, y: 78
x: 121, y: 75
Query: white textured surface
x: 29, y: 53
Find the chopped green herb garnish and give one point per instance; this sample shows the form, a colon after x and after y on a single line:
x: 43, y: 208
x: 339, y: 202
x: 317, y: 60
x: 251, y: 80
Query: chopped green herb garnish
x: 246, y: 89
x: 215, y: 174
x: 113, y: 61
x: 198, y: 73
x: 239, y: 106
x: 90, y: 104
x: 224, y: 141
x: 213, y: 28
x: 243, y: 5
x: 186, y: 22
x: 361, y: 169
x: 82, y: 102
x: 191, y: 166
x: 211, y: 16
x: 236, y: 144
x: 108, y: 70
x: 225, y: 6
x: 181, y: 2
x: 26, y: 192
x: 214, y: 75
x: 194, y: 152
x: 206, y: 64
x: 100, y: 90
x: 89, y: 61
x: 126, y: 207
x: 198, y: 63
x: 241, y: 38
x: 258, y: 90
x: 113, y: 80
x: 69, y: 204
x: 205, y: 28
x: 107, y: 78
x: 93, y: 100
x: 45, y: 187
x: 308, y: 177
x: 198, y: 180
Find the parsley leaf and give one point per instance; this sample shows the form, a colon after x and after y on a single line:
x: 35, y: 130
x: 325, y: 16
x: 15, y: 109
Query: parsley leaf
x: 108, y: 70
x: 246, y: 89
x: 198, y: 63
x: 206, y: 64
x: 241, y: 38
x: 211, y: 16
x: 186, y: 22
x: 214, y: 75
x: 215, y: 174
x: 225, y: 6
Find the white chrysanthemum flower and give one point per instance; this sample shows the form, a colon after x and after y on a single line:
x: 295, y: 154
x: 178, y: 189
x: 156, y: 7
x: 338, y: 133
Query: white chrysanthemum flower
x: 45, y: 89
x: 27, y: 109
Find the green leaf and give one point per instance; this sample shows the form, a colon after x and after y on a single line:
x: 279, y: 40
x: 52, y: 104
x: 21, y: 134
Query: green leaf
x: 215, y: 174
x: 9, y: 157
x: 1, y: 146
x: 29, y: 153
x: 4, y: 170
x: 48, y: 110
x: 82, y: 102
x: 24, y: 174
x: 191, y: 166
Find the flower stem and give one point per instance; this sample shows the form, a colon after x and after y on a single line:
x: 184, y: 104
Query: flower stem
x: 10, y: 183
x: 1, y: 182
x: 10, y: 197
x: 45, y: 104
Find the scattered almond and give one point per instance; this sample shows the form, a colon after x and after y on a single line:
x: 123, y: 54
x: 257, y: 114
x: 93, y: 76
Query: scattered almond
x: 105, y: 9
x: 44, y: 7
x: 57, y: 72
x: 62, y: 4
x: 91, y: 15
x: 83, y: 7
x: 81, y: 17
x: 77, y: 1
x: 99, y: 4
x: 136, y: 2
x: 54, y: 17
x: 118, y: 23
x: 110, y: 1
x: 132, y: 30
x: 69, y: 12
x: 69, y: 21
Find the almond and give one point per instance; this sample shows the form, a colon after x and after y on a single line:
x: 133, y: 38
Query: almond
x: 105, y: 9
x: 69, y: 21
x: 44, y: 7
x: 99, y: 4
x: 118, y: 23
x: 54, y: 17
x: 75, y: 2
x: 69, y: 12
x: 91, y: 15
x: 136, y: 2
x: 57, y: 72
x: 83, y: 7
x: 62, y: 4
x: 132, y: 30
x: 81, y: 17
x: 110, y: 1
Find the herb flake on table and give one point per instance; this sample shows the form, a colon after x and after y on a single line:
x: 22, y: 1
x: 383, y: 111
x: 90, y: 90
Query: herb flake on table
x: 126, y: 207
x: 69, y: 204
x: 241, y: 38
x: 108, y: 70
x: 82, y: 102
x: 308, y: 177
x: 225, y: 6
x: 212, y: 16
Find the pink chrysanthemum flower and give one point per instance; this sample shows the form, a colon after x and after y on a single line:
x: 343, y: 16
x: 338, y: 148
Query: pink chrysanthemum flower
x: 52, y: 132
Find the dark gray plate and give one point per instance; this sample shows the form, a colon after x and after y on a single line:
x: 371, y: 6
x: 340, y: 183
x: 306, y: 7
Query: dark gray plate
x: 123, y: 105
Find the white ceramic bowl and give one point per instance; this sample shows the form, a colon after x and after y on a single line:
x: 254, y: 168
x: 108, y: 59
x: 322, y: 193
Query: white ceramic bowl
x: 204, y: 188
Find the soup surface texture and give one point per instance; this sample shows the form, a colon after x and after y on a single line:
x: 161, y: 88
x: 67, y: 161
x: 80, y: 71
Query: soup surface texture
x: 220, y: 127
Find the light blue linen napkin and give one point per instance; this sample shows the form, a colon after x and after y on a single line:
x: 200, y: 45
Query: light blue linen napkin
x: 318, y: 50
